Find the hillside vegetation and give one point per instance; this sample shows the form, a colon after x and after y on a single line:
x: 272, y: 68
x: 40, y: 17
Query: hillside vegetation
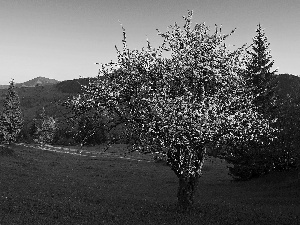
x: 49, y: 96
x: 52, y: 97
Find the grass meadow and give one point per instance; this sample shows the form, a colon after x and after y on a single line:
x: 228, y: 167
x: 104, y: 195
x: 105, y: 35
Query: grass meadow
x: 46, y: 187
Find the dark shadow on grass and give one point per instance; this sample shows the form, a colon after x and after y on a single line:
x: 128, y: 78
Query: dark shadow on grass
x: 6, y: 151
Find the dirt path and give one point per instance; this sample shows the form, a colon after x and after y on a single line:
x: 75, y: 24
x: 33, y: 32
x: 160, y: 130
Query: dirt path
x: 89, y: 152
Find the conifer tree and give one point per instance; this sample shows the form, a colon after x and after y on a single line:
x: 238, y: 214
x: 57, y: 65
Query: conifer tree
x: 261, y: 79
x: 11, y: 120
x: 260, y: 76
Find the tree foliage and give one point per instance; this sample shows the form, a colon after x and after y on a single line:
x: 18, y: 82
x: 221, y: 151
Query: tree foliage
x: 90, y: 129
x: 11, y: 120
x: 178, y: 104
x: 87, y: 123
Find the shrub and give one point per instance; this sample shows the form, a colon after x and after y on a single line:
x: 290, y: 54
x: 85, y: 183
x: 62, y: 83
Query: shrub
x: 27, y: 133
x: 253, y: 160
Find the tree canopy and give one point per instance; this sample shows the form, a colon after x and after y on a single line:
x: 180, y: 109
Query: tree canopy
x: 178, y: 104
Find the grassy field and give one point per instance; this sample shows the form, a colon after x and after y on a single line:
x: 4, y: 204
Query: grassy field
x: 44, y: 187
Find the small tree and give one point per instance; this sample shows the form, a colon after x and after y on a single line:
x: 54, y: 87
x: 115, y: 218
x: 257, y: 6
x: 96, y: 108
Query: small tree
x: 44, y: 128
x: 11, y: 120
x: 178, y: 105
x: 47, y: 130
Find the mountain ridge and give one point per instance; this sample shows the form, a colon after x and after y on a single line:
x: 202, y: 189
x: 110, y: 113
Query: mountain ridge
x: 38, y: 81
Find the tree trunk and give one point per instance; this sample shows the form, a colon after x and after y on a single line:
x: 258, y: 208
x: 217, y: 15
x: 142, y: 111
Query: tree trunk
x: 186, y: 191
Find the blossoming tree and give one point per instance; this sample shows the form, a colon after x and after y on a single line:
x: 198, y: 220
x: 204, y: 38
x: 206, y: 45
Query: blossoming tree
x: 178, y: 104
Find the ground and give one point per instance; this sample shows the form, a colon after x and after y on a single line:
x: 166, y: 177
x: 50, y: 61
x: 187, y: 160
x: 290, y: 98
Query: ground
x: 90, y: 187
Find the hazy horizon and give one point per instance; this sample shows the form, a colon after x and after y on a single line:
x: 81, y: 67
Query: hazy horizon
x: 63, y: 39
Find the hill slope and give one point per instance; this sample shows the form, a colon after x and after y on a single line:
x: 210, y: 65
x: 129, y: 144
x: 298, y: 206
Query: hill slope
x: 38, y: 81
x: 73, y: 86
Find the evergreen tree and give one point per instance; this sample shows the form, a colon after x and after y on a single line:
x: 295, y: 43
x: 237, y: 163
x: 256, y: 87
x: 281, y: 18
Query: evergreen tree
x: 253, y: 159
x: 11, y: 120
x: 259, y: 74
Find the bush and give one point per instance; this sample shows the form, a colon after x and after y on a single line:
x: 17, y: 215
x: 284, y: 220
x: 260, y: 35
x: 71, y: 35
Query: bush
x: 63, y: 135
x: 65, y: 141
x: 160, y: 158
x: 254, y: 160
x: 27, y: 133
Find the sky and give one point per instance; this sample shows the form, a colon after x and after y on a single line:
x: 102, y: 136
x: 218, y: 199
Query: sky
x: 63, y: 39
